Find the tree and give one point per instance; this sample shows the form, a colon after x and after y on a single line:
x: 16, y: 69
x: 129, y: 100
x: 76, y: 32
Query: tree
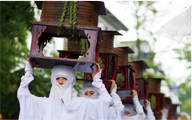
x: 144, y: 13
x: 142, y: 10
x: 185, y: 88
x: 15, y: 17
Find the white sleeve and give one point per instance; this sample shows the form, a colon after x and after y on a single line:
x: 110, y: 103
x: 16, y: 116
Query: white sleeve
x: 31, y: 107
x: 117, y: 109
x: 150, y: 115
x: 139, y: 108
x: 98, y: 83
x: 165, y: 114
x: 116, y: 99
x: 103, y: 96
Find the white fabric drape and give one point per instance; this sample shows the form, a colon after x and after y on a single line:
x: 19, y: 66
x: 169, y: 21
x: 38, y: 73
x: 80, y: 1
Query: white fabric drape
x: 178, y: 28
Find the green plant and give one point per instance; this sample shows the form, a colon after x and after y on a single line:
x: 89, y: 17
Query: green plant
x: 120, y: 79
x: 153, y: 101
x: 14, y: 23
x: 84, y: 46
x: 60, y: 28
x: 71, y: 7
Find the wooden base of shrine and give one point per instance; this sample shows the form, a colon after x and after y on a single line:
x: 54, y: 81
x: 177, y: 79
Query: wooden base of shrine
x: 124, y: 93
x: 107, y: 83
x: 129, y: 100
x: 50, y: 62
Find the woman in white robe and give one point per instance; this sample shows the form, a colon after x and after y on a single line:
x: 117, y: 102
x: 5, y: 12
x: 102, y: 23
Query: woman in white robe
x: 61, y: 103
x: 116, y: 108
x: 149, y: 115
x: 129, y: 110
x: 165, y: 113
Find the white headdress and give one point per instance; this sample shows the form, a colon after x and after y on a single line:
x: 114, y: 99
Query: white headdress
x: 60, y: 94
x: 88, y: 86
x: 130, y: 108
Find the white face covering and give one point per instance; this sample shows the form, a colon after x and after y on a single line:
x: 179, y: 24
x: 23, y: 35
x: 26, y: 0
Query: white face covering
x: 89, y: 87
x: 60, y: 94
x: 129, y: 108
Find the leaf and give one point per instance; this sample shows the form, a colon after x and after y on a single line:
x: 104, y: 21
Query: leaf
x: 15, y: 17
x: 153, y: 101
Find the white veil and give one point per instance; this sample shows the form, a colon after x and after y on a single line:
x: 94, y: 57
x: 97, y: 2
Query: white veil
x: 130, y: 109
x: 89, y: 86
x: 60, y: 95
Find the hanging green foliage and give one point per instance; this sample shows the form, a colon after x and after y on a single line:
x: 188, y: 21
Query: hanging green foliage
x: 120, y: 79
x: 70, y: 7
x: 73, y: 21
x: 60, y: 28
x: 100, y: 63
x: 153, y: 101
x: 84, y: 46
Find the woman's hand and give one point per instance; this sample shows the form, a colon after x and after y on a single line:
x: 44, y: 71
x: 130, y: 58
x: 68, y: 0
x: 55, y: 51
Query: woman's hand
x: 134, y: 93
x: 97, y: 71
x: 112, y: 85
x: 146, y: 102
x: 35, y: 65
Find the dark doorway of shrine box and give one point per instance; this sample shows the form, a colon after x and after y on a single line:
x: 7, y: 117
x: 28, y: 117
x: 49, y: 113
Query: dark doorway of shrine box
x: 156, y: 100
x: 124, y: 78
x: 126, y: 82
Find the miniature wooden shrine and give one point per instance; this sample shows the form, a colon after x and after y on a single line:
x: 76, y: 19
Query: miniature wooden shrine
x: 154, y: 85
x: 108, y: 58
x: 127, y: 84
x: 47, y: 28
x: 156, y: 100
x: 173, y: 114
x: 41, y: 34
x: 125, y: 73
x: 141, y: 83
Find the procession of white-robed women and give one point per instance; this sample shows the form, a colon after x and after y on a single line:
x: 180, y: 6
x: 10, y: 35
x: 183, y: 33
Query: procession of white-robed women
x: 63, y: 103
